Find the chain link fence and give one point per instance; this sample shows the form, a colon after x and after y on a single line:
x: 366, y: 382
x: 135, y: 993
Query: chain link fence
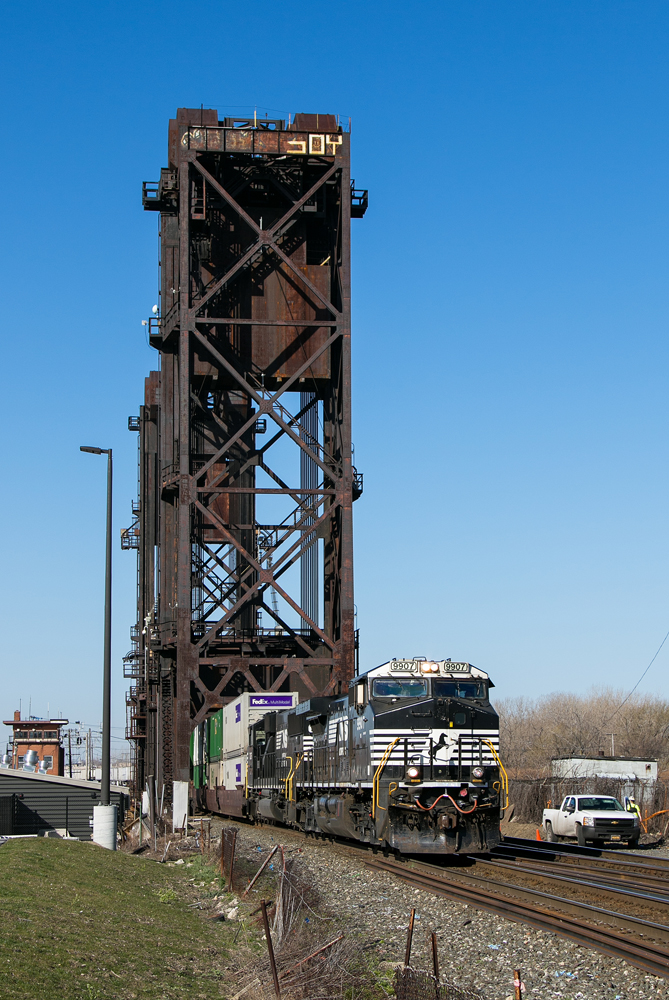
x: 414, y: 984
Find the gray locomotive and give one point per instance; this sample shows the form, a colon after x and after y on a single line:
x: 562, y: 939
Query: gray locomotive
x: 409, y: 759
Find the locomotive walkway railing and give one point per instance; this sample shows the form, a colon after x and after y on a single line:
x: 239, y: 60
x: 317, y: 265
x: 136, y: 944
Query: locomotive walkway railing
x: 377, y: 775
x: 504, y: 778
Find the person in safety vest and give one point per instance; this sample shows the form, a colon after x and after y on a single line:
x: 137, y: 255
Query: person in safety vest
x: 632, y: 806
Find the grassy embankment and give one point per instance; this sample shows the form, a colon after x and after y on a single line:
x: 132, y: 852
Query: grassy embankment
x: 78, y: 922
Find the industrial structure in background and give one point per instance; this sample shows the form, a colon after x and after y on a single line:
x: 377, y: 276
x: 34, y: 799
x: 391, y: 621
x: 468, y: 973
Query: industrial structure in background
x: 39, y: 738
x: 243, y: 522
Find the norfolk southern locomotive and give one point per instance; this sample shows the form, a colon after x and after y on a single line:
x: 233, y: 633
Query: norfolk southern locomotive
x: 408, y: 759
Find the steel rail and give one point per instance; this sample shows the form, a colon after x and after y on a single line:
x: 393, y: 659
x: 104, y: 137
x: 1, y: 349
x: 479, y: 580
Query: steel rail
x: 593, y: 883
x: 603, y: 874
x: 570, y: 904
x: 575, y: 851
x: 643, y: 955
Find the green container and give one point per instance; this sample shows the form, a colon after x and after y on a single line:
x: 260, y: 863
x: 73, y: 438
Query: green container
x: 198, y: 776
x: 215, y: 741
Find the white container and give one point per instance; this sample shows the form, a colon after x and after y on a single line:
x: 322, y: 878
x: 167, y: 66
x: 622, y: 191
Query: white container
x: 215, y: 774
x: 241, y: 713
x: 234, y: 772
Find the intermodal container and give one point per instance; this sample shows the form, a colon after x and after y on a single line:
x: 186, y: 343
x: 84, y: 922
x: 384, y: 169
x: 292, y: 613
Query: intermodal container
x: 215, y: 736
x: 241, y: 713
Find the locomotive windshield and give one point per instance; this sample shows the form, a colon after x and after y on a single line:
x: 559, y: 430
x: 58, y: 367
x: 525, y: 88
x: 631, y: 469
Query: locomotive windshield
x: 394, y: 687
x: 458, y: 689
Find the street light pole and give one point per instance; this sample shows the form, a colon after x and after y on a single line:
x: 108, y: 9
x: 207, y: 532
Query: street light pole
x: 106, y: 683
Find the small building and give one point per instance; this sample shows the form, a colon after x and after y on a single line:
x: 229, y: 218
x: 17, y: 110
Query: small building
x: 42, y: 804
x: 41, y: 735
x: 119, y: 774
x: 626, y: 768
x: 620, y: 776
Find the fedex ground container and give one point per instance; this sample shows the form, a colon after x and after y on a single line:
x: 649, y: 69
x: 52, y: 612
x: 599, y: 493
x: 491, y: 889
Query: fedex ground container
x: 241, y: 713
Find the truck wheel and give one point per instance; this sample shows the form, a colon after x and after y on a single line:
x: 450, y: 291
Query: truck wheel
x: 550, y: 836
x: 580, y: 835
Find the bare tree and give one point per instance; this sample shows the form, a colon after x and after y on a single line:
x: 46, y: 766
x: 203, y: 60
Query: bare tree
x: 534, y: 731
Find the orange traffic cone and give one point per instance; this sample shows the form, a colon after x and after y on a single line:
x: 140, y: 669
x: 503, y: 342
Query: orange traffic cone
x: 538, y: 834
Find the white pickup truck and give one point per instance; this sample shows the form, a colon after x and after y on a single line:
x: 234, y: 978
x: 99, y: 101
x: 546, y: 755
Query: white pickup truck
x: 592, y: 819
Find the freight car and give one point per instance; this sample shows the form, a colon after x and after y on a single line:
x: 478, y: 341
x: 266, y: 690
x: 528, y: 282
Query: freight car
x: 408, y: 759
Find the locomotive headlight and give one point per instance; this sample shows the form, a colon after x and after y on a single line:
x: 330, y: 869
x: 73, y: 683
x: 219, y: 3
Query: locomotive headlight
x: 413, y: 773
x: 429, y: 668
x: 477, y: 773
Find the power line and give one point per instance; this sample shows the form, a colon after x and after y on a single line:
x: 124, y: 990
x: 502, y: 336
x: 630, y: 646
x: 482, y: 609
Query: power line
x: 640, y: 679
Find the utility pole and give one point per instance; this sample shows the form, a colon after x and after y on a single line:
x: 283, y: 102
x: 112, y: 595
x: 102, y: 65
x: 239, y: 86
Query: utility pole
x: 69, y: 748
x: 613, y: 744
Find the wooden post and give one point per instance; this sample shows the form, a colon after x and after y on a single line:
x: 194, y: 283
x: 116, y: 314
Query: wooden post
x: 222, y: 853
x: 270, y: 949
x: 517, y: 984
x: 232, y: 859
x: 407, y: 957
x: 435, y: 961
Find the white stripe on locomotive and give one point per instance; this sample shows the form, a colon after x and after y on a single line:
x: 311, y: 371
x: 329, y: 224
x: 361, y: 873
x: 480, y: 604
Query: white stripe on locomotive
x: 472, y: 745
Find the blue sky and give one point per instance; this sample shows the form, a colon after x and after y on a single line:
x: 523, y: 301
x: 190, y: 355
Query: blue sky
x: 510, y: 318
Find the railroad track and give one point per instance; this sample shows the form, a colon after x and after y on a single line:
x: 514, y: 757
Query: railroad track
x: 573, y: 851
x: 648, y: 886
x: 637, y: 941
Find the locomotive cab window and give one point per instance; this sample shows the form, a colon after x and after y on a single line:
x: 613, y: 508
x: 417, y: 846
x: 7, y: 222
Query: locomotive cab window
x: 459, y: 689
x: 394, y: 687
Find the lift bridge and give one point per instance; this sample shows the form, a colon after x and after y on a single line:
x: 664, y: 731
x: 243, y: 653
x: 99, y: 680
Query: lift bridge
x: 243, y: 522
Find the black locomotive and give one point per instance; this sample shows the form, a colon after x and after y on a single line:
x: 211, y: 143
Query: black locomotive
x: 408, y: 759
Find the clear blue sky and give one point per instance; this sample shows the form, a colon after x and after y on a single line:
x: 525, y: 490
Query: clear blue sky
x: 510, y: 318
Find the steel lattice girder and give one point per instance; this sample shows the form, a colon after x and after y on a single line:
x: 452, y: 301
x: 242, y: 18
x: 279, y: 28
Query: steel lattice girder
x: 255, y: 257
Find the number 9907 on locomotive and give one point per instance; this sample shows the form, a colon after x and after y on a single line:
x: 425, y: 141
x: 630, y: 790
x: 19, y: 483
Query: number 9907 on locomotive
x: 408, y: 759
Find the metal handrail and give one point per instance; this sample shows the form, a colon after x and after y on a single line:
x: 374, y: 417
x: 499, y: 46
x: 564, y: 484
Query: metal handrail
x: 288, y: 785
x: 377, y: 775
x: 504, y: 775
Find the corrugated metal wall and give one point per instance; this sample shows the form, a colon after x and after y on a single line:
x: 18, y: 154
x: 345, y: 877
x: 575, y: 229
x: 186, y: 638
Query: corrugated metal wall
x: 45, y: 805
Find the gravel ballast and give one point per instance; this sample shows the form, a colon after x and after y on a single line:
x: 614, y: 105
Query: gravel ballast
x: 476, y: 949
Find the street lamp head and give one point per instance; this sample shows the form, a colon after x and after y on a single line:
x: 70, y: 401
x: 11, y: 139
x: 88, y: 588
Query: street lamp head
x: 95, y: 451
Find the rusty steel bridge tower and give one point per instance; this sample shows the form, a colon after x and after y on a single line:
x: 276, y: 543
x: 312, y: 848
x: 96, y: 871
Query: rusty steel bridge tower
x: 243, y: 522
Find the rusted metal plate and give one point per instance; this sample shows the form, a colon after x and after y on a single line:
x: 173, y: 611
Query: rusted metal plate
x: 280, y: 351
x: 266, y: 142
x: 239, y: 140
x: 294, y: 142
x: 219, y: 505
x: 194, y: 138
x: 315, y: 123
x: 197, y: 116
x: 216, y: 139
